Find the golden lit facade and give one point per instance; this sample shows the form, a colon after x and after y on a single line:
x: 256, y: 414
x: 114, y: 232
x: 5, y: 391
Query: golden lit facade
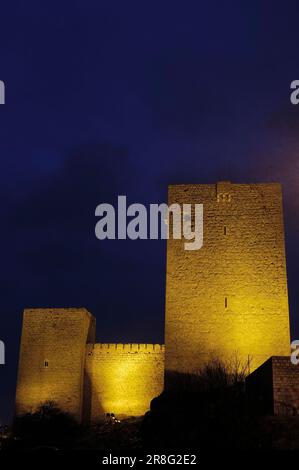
x: 229, y: 299
x: 226, y: 300
x: 60, y: 362
x: 52, y: 359
x: 124, y: 378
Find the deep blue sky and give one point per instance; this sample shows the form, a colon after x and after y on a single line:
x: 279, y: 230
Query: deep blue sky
x: 115, y: 97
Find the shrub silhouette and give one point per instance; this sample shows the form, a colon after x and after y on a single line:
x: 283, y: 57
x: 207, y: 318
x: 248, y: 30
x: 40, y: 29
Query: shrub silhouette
x: 47, y: 426
x: 205, y: 409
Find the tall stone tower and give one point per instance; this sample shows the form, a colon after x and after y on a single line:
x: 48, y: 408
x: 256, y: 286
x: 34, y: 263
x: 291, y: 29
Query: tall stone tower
x: 230, y: 297
x: 52, y: 359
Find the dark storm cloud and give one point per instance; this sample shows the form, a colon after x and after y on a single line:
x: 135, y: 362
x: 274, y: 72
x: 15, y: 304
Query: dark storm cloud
x: 67, y: 197
x: 49, y: 229
x: 52, y: 220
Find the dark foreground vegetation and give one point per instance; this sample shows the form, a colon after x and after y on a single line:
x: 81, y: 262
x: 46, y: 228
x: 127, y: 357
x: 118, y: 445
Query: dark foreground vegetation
x: 211, y: 410
x: 208, y: 410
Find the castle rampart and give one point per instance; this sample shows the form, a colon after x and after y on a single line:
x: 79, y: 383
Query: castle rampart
x: 60, y: 362
x: 124, y: 378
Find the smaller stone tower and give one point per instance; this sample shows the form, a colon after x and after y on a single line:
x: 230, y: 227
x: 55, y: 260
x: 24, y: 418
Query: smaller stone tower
x: 52, y: 359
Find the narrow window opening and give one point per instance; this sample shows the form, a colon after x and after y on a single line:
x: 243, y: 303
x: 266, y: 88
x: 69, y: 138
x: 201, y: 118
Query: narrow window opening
x: 46, y: 364
x: 225, y: 230
x: 225, y: 302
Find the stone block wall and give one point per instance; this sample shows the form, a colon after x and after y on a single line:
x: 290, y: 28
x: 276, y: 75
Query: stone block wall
x: 123, y: 378
x: 230, y: 297
x: 273, y: 388
x: 285, y: 386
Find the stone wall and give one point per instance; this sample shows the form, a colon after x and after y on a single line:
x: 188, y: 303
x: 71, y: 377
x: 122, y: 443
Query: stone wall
x: 230, y: 297
x: 273, y: 388
x: 285, y: 386
x: 123, y: 378
x: 59, y: 362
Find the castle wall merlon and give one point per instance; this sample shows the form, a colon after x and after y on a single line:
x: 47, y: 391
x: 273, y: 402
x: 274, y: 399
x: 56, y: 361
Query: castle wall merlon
x: 130, y: 347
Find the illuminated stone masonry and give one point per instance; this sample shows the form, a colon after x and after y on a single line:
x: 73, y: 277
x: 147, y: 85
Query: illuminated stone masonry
x: 60, y: 362
x: 230, y: 297
x: 225, y: 300
x: 124, y: 378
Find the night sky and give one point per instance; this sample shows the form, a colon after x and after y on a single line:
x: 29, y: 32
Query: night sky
x: 105, y: 98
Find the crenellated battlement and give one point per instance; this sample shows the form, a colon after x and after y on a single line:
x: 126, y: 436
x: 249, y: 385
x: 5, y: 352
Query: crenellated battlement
x: 133, y: 347
x: 60, y: 362
x: 124, y: 377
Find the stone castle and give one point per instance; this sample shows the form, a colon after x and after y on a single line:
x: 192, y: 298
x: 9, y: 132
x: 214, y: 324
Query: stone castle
x: 228, y: 298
